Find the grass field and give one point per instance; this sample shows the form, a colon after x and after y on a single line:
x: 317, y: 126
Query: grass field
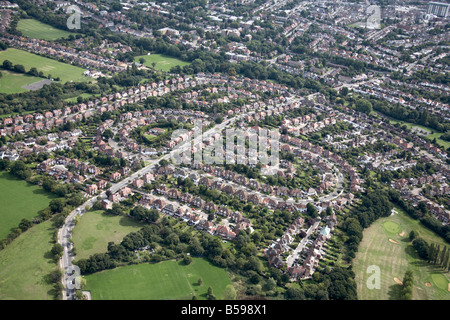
x: 394, y: 258
x: 19, y: 200
x: 35, y: 29
x: 12, y: 82
x: 95, y: 229
x: 163, y: 62
x: 65, y: 72
x: 168, y: 280
x: 425, y: 131
x: 25, y: 263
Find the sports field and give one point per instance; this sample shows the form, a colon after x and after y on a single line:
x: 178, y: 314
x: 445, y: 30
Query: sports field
x: 12, y: 82
x: 168, y: 280
x: 65, y: 72
x: 95, y: 229
x: 19, y: 200
x: 25, y: 264
x: 385, y: 244
x: 163, y: 62
x: 35, y: 29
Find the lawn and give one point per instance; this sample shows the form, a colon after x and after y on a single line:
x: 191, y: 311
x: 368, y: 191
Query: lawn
x: 35, y: 29
x: 25, y: 264
x: 12, y: 82
x: 95, y: 229
x: 19, y: 199
x: 385, y: 244
x: 168, y: 280
x: 164, y: 63
x: 65, y: 72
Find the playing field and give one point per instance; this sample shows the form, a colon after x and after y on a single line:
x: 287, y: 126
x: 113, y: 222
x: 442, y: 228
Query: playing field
x: 65, y: 72
x: 12, y: 82
x: 19, y: 199
x: 35, y: 29
x: 385, y: 244
x: 25, y: 263
x: 95, y: 229
x: 162, y: 62
x: 168, y: 280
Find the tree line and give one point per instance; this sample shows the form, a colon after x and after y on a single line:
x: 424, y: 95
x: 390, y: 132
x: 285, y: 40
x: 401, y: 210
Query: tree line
x: 432, y: 253
x: 374, y: 205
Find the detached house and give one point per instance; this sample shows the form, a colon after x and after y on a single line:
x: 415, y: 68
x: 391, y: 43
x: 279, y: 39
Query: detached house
x: 225, y: 232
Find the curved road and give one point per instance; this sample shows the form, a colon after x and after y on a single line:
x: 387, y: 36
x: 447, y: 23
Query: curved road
x: 65, y: 232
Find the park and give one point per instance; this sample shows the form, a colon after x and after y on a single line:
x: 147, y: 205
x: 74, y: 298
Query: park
x: 161, y: 62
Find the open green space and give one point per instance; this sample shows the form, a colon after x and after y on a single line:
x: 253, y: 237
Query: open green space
x: 25, y: 264
x: 19, y: 199
x: 162, y: 62
x: 83, y: 95
x: 391, y: 227
x: 65, y: 72
x: 35, y: 29
x: 385, y: 244
x: 421, y: 131
x: 95, y: 229
x: 168, y: 280
x: 12, y: 82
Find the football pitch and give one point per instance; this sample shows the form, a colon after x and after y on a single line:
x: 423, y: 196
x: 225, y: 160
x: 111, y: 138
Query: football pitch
x: 162, y: 62
x: 65, y: 72
x: 12, y: 194
x: 168, y: 280
x: 35, y: 29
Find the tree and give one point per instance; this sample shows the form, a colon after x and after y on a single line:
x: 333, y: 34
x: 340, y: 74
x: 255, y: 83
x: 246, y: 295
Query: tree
x: 210, y: 295
x: 187, y: 260
x: 33, y: 72
x: 218, y: 120
x: 7, y: 65
x: 363, y: 105
x: 25, y: 224
x: 294, y: 294
x: 57, y: 205
x: 4, y: 164
x: 230, y: 292
x: 407, y: 286
x: 269, y: 284
x: 413, y: 235
x: 311, y: 210
x: 422, y: 248
x: 79, y: 295
x: 163, y: 163
x: 19, y: 68
x: 57, y: 251
x: 107, y: 134
x: 200, y: 281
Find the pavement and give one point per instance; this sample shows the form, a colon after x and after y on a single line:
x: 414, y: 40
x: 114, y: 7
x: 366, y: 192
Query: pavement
x: 64, y: 233
x: 296, y: 253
